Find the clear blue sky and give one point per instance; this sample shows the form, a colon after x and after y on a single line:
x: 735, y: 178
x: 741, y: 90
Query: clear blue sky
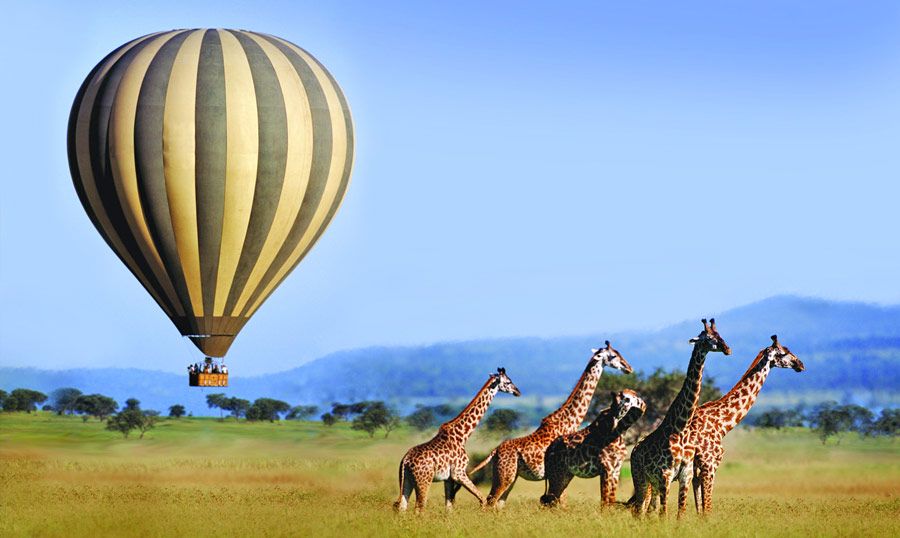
x: 521, y: 170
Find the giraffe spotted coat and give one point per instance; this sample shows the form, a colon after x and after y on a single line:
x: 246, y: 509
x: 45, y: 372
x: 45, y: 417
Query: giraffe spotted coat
x: 654, y: 460
x: 444, y: 457
x: 524, y: 456
x: 702, y: 439
x: 597, y: 450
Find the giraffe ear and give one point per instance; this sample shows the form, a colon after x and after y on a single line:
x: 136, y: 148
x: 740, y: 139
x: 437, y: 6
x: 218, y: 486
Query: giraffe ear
x: 594, y: 351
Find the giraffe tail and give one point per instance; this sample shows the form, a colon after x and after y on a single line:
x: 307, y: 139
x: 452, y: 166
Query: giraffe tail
x: 485, y: 462
x: 397, y: 504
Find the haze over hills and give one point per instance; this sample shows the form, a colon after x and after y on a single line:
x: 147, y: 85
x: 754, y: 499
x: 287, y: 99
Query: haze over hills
x: 851, y: 351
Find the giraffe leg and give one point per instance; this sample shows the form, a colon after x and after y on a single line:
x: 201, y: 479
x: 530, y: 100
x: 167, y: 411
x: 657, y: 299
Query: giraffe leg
x: 609, y: 483
x: 556, y: 488
x: 698, y: 492
x: 664, y: 494
x: 641, y: 492
x: 506, y: 493
x: 707, y: 480
x: 450, y: 489
x: 462, y: 479
x: 503, y: 477
x: 684, y: 476
x: 407, y: 483
x: 423, y: 484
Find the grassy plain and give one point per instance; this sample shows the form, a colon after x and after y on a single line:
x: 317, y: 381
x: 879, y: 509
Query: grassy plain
x: 204, y: 477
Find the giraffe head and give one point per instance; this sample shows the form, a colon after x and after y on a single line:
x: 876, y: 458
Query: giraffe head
x: 781, y: 357
x: 625, y: 402
x: 503, y: 383
x: 710, y: 339
x: 607, y: 356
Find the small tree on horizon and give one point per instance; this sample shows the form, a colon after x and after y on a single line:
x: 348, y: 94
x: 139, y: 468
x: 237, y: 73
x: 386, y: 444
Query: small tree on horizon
x: 23, y: 400
x: 376, y: 415
x: 176, y: 411
x: 301, y: 412
x: 64, y: 400
x: 267, y: 409
x: 503, y: 421
x: 96, y: 405
x: 217, y: 400
x: 328, y: 419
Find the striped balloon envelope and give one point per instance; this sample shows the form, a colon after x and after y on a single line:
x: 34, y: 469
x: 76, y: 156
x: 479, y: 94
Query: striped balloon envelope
x: 210, y: 161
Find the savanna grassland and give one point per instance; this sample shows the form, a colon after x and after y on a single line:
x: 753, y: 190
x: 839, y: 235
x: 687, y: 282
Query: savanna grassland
x: 204, y: 477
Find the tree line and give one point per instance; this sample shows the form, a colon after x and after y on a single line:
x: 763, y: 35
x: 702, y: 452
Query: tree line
x: 658, y: 389
x: 831, y: 419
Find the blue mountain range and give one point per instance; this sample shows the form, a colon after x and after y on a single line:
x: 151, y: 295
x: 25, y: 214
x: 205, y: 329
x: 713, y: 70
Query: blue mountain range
x: 851, y: 352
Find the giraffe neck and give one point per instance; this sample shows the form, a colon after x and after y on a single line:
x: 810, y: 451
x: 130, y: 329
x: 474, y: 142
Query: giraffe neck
x: 737, y: 403
x: 571, y: 413
x: 604, y: 425
x: 603, y: 422
x: 465, y: 422
x: 681, y: 410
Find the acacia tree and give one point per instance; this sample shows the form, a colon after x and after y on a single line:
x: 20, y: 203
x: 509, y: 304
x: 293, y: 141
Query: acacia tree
x: 96, y: 405
x: 236, y: 406
x: 176, y: 411
x: 132, y: 417
x: 328, y: 419
x: 63, y: 400
x: 301, y: 412
x: 267, y: 409
x: 503, y: 421
x: 376, y: 415
x: 422, y: 418
x: 23, y: 400
x: 218, y: 400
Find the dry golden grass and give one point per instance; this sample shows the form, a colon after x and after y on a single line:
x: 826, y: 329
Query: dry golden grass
x: 202, y: 477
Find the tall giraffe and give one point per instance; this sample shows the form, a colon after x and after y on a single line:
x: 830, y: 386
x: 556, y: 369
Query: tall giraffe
x: 702, y: 440
x: 653, y: 460
x: 444, y: 457
x: 597, y: 450
x: 524, y: 456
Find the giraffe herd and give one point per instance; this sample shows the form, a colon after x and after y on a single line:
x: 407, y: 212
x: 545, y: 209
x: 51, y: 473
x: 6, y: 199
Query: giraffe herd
x: 686, y: 446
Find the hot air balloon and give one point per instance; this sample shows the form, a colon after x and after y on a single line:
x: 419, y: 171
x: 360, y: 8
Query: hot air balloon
x: 211, y: 161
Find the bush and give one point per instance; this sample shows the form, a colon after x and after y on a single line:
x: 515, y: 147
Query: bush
x: 95, y: 405
x: 23, y: 400
x: 176, y: 411
x: 64, y: 400
x: 301, y: 412
x: 503, y: 421
x: 375, y: 416
x: 267, y: 409
x: 779, y: 418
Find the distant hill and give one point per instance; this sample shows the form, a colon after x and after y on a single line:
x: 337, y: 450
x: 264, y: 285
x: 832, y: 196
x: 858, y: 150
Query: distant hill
x: 851, y: 351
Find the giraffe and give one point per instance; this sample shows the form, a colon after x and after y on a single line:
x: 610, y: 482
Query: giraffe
x: 702, y: 440
x: 597, y: 450
x: 444, y: 457
x: 653, y: 460
x: 524, y: 456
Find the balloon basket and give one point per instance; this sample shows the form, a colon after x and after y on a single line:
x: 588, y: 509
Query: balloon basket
x: 208, y: 380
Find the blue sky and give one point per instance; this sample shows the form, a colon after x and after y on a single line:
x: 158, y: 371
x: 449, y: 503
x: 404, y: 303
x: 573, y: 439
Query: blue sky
x: 521, y: 170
